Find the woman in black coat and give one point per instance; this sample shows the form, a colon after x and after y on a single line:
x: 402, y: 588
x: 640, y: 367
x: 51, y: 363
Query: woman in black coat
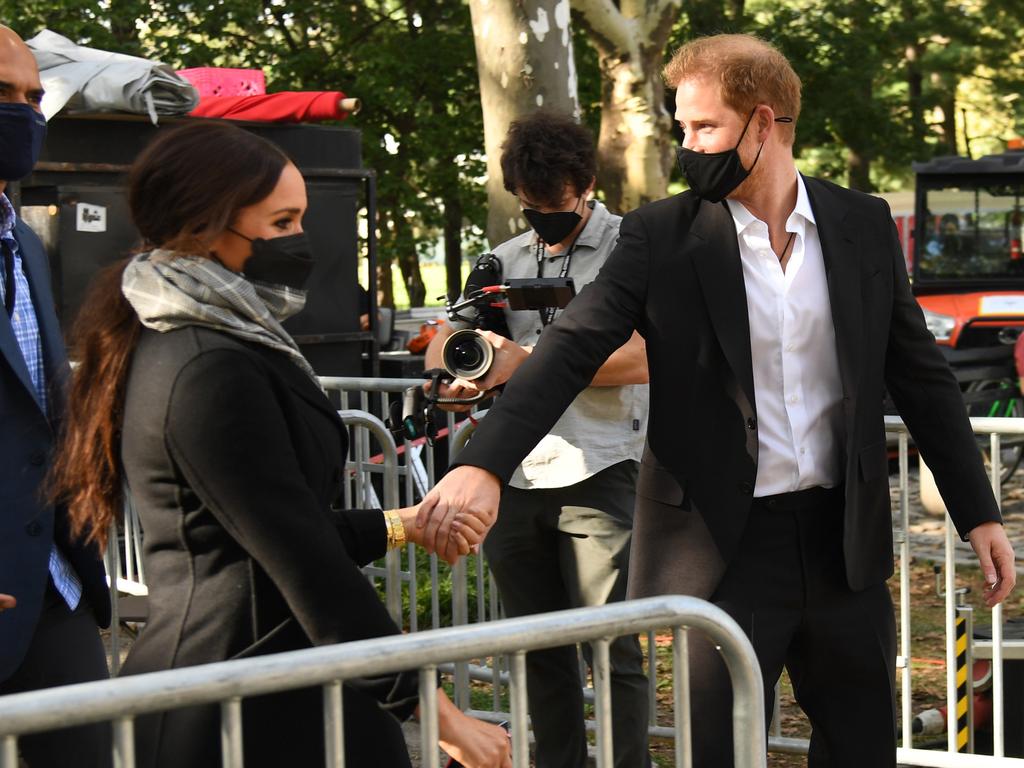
x: 233, y: 456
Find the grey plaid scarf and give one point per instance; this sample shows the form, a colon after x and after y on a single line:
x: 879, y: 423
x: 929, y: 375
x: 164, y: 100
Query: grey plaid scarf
x: 172, y: 290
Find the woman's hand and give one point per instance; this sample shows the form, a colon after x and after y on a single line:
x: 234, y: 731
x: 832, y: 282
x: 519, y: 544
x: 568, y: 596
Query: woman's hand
x: 472, y: 742
x: 7, y: 601
x: 466, y: 533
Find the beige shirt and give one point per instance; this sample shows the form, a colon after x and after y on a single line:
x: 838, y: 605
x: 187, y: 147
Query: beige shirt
x: 603, y: 425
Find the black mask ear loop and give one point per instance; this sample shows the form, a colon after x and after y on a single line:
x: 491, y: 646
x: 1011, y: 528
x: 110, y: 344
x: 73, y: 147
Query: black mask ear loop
x: 234, y: 231
x: 739, y: 141
x: 217, y: 258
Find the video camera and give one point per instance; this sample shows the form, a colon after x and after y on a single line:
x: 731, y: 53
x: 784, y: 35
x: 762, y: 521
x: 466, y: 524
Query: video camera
x: 466, y: 354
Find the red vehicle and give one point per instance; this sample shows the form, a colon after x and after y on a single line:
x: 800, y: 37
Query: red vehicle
x: 967, y: 271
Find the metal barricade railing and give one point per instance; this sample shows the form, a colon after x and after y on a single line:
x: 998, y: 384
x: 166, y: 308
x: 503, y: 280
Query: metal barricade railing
x: 373, y: 453
x: 416, y: 473
x: 996, y: 428
x: 228, y: 682
x: 907, y: 755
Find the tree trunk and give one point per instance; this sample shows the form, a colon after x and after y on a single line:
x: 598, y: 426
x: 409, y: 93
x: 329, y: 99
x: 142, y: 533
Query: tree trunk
x: 453, y: 246
x: 385, y: 285
x: 915, y: 78
x: 858, y: 166
x: 525, y: 61
x: 915, y: 91
x: 948, y: 104
x: 408, y: 262
x: 635, y: 144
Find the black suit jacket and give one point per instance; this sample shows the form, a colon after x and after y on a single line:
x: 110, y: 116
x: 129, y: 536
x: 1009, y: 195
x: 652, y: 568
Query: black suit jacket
x: 676, y: 277
x: 234, y: 458
x: 29, y: 526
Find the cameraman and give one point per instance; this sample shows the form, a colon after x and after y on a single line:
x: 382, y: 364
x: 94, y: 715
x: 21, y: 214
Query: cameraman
x: 563, y: 531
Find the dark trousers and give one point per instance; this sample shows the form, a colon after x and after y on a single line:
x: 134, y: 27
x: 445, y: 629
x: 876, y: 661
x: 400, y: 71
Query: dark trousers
x: 558, y: 548
x: 281, y: 730
x: 65, y: 649
x: 787, y: 588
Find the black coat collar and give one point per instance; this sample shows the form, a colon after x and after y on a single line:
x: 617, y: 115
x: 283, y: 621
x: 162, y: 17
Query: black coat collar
x: 714, y: 250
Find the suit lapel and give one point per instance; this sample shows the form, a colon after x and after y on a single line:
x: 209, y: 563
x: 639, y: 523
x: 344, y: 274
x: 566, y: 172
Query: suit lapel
x: 715, y: 254
x: 55, y: 361
x: 839, y: 247
x: 9, y: 347
x: 11, y: 352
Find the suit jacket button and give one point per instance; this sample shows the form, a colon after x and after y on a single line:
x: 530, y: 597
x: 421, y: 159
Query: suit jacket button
x: 37, y: 458
x: 746, y: 487
x: 33, y: 528
x: 751, y: 424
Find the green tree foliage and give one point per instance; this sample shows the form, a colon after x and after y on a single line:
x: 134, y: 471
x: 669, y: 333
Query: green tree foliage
x: 410, y: 61
x: 885, y: 81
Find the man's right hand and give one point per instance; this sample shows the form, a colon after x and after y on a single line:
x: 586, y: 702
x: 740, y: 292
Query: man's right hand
x: 457, y: 388
x: 464, y: 503
x: 7, y: 602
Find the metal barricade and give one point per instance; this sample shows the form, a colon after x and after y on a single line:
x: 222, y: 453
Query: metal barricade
x: 996, y: 428
x: 228, y: 682
x: 409, y: 469
x: 415, y: 469
x: 908, y: 755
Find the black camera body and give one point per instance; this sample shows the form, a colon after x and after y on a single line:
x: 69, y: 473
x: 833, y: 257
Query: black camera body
x: 468, y: 355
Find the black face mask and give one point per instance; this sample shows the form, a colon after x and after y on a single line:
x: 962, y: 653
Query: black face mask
x: 553, y: 227
x: 22, y: 131
x: 286, y: 260
x: 714, y: 175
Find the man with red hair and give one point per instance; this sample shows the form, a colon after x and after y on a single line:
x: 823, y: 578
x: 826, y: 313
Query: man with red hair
x: 776, y: 311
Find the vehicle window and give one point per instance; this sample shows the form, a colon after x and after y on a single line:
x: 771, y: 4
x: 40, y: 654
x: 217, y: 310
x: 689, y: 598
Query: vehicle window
x: 972, y: 233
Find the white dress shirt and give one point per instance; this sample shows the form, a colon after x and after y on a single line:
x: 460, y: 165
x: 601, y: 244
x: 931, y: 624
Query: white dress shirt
x: 797, y: 388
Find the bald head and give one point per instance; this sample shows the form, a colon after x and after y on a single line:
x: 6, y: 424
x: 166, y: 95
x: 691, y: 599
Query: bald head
x: 19, y: 75
x: 19, y: 85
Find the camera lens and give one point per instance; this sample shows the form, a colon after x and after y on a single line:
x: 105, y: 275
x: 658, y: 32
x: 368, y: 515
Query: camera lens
x: 467, y: 355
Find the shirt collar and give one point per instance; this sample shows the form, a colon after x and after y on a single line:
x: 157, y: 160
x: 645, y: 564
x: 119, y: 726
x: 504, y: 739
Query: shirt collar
x: 7, y: 217
x: 801, y: 215
x: 592, y: 233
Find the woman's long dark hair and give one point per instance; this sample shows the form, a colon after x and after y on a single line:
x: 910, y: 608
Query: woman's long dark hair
x: 184, y: 189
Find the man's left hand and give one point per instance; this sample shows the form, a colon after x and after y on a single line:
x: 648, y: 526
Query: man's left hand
x: 458, y: 511
x: 995, y: 554
x: 508, y: 356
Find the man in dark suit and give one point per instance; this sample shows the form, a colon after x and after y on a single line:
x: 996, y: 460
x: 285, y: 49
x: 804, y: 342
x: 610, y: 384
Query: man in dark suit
x: 776, y: 311
x: 57, y: 588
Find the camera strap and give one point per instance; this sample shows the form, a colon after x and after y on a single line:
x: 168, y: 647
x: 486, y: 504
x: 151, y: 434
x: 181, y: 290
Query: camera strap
x: 547, y: 315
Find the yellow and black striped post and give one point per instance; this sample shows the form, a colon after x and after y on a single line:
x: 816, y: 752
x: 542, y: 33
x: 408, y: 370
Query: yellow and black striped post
x: 964, y: 680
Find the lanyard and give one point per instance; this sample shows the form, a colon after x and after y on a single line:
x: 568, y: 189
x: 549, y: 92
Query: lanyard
x: 547, y: 314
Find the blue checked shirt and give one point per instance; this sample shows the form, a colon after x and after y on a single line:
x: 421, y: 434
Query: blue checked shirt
x: 26, y: 331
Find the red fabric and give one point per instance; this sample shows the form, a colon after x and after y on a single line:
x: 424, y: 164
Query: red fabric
x: 1018, y: 356
x: 284, y: 107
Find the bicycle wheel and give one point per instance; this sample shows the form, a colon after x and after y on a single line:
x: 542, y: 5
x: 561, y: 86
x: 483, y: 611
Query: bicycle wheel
x: 1006, y: 402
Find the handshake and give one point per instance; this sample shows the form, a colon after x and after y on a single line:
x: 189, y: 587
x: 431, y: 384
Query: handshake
x: 456, y: 514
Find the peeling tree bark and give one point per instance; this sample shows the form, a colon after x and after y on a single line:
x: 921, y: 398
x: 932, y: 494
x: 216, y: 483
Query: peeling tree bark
x: 635, y: 143
x: 525, y: 61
